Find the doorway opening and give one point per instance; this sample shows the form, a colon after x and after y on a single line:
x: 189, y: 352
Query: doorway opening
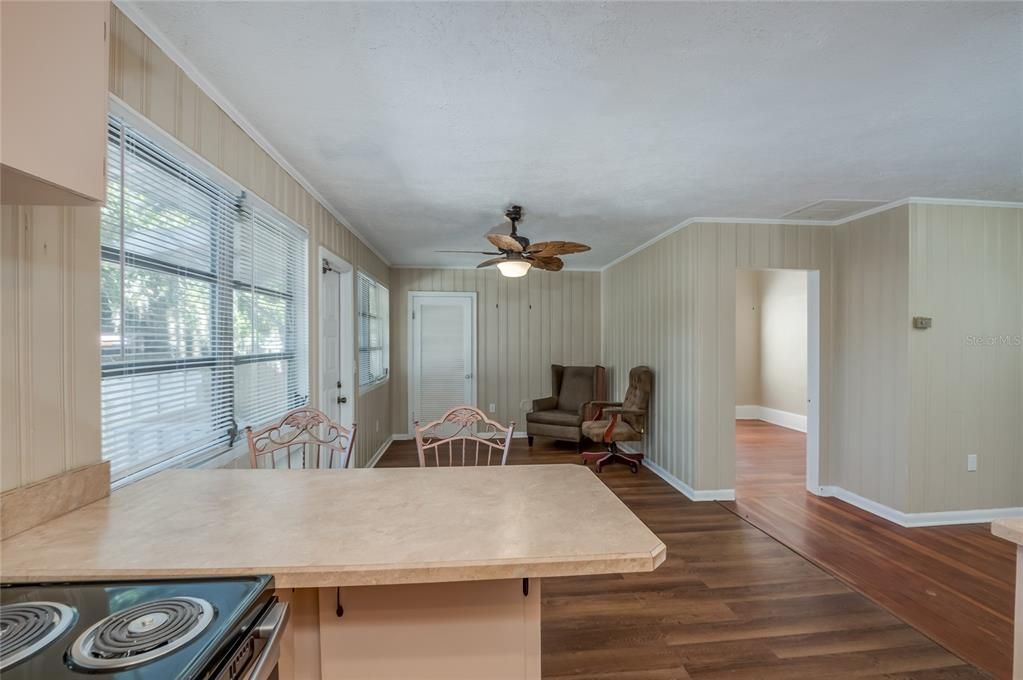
x: 338, y: 380
x: 442, y: 354
x: 777, y: 382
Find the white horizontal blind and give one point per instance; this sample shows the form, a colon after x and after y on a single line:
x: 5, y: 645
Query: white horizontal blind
x: 373, y: 331
x: 202, y: 310
x: 443, y: 357
x: 270, y: 321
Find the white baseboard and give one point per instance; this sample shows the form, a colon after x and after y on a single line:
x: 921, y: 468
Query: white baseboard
x: 919, y: 519
x: 380, y: 452
x: 688, y: 491
x: 905, y: 519
x: 748, y: 412
x: 792, y: 421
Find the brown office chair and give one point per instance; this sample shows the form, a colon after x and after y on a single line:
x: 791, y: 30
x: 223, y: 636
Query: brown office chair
x: 621, y: 421
x: 561, y: 415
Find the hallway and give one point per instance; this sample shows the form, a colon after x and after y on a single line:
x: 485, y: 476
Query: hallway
x: 769, y: 460
x: 953, y: 583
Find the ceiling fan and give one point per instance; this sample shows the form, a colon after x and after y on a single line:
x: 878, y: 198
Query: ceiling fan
x: 516, y: 252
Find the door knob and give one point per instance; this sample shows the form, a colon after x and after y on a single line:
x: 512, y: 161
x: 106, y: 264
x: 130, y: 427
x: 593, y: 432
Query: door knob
x: 342, y: 400
x: 468, y: 375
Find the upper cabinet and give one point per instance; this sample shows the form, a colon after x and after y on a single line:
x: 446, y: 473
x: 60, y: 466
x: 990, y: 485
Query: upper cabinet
x: 54, y: 101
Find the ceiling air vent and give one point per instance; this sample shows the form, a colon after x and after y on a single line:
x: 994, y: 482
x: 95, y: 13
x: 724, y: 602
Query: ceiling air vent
x: 831, y: 209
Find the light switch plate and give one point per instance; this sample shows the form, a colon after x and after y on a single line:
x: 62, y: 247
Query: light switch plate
x: 493, y: 408
x: 971, y: 462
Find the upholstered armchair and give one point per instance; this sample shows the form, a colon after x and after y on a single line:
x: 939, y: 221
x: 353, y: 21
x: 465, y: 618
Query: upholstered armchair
x: 621, y: 421
x: 560, y: 416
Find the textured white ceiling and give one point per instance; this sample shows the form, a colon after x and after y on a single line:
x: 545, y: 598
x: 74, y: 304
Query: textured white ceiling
x: 611, y: 122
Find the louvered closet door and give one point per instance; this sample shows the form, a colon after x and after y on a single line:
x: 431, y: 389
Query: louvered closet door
x: 443, y: 341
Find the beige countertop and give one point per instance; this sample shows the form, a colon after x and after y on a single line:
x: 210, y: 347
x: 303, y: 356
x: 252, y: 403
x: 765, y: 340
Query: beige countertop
x: 1011, y: 529
x: 322, y: 528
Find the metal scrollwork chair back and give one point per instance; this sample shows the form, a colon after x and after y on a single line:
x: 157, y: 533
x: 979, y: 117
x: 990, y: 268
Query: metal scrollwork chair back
x: 303, y: 438
x: 476, y: 440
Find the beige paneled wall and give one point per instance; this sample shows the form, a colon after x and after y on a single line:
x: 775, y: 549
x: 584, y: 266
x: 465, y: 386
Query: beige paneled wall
x: 672, y: 306
x: 783, y: 340
x: 524, y: 325
x: 651, y: 316
x: 900, y: 409
x: 869, y: 440
x: 747, y: 338
x: 966, y: 372
x: 771, y: 339
x: 148, y: 81
x: 49, y: 342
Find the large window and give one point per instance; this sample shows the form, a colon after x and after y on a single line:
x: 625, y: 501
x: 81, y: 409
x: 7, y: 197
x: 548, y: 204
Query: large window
x: 373, y: 320
x: 203, y: 310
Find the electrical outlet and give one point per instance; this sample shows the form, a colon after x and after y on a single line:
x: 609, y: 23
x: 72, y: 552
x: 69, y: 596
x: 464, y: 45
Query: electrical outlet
x: 493, y: 408
x: 971, y: 462
x: 378, y: 426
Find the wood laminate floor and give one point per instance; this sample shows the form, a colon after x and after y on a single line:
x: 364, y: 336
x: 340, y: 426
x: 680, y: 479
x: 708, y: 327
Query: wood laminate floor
x: 729, y: 602
x: 954, y: 583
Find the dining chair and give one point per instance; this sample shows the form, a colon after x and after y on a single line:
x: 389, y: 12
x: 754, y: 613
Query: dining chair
x: 464, y: 432
x: 303, y: 438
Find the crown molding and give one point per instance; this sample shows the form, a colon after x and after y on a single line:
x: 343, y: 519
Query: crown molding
x: 966, y: 202
x: 912, y: 200
x: 471, y: 269
x: 134, y: 12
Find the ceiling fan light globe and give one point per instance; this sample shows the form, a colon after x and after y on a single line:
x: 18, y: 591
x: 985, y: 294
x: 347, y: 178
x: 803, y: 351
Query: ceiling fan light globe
x: 513, y: 269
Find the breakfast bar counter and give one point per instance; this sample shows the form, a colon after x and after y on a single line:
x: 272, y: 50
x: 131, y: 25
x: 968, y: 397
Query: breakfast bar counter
x: 405, y: 572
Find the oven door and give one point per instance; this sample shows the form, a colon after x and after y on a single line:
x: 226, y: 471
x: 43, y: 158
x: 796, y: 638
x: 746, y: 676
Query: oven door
x: 256, y: 658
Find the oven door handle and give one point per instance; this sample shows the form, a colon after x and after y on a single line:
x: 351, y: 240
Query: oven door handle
x: 270, y: 628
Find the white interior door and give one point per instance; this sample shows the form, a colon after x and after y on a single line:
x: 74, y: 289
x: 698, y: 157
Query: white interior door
x: 443, y: 362
x: 337, y: 337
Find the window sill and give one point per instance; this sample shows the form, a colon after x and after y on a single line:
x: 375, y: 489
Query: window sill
x: 369, y: 387
x: 224, y: 458
x: 213, y: 458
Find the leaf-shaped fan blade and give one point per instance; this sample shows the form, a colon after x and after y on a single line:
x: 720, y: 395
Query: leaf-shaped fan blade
x: 472, y: 252
x: 552, y: 248
x: 505, y: 242
x: 495, y: 260
x: 551, y: 264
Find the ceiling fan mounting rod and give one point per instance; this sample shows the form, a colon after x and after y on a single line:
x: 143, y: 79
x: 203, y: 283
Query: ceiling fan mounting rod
x: 514, y: 214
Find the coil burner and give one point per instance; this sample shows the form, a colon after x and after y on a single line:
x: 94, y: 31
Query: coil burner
x: 28, y: 627
x: 142, y: 633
